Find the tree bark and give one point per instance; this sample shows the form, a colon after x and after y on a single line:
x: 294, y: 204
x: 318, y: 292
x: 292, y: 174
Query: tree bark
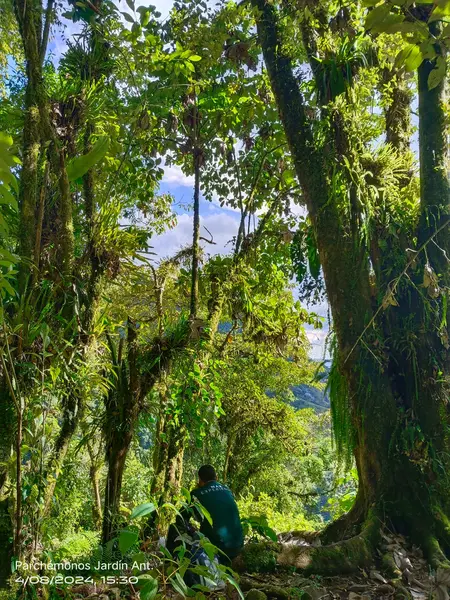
x: 434, y: 182
x: 7, y: 419
x: 97, y: 512
x: 116, y: 456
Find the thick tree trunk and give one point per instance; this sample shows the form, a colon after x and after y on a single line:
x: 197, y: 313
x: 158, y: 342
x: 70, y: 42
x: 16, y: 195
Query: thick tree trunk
x: 72, y: 412
x: 116, y: 458
x: 392, y: 405
x: 122, y: 410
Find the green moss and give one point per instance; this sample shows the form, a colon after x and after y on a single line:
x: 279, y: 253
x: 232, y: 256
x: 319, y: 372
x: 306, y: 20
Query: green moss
x: 389, y: 567
x: 260, y: 558
x: 255, y: 595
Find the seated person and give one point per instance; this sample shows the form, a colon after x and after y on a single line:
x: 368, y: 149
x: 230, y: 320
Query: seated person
x: 226, y: 529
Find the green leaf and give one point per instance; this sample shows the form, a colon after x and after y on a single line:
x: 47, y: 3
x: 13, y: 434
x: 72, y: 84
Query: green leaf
x: 128, y: 17
x: 127, y: 539
x: 410, y: 57
x: 408, y: 27
x: 288, y: 177
x: 195, y: 58
x: 7, y: 286
x: 438, y: 73
x: 186, y: 494
x: 204, y: 512
x: 441, y: 11
x: 390, y: 22
x: 130, y: 4
x: 80, y: 165
x: 233, y: 582
x: 376, y: 16
x: 144, y: 18
x: 370, y: 2
x: 5, y: 140
x: 143, y: 510
x: 271, y: 534
x: 179, y: 585
x: 428, y: 50
x: 414, y: 59
x: 149, y: 588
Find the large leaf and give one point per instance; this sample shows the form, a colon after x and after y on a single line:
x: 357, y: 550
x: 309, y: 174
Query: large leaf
x: 388, y: 24
x: 127, y: 539
x: 204, y: 512
x: 438, y: 73
x: 410, y: 57
x: 80, y: 165
x: 142, y: 510
x: 376, y: 16
x: 441, y: 11
x: 149, y: 587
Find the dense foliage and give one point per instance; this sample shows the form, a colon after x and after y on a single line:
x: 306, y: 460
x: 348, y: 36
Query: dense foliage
x: 123, y: 370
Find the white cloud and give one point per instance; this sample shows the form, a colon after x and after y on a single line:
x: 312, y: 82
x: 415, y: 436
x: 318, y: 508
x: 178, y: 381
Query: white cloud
x: 222, y: 227
x: 173, y: 175
x: 317, y: 338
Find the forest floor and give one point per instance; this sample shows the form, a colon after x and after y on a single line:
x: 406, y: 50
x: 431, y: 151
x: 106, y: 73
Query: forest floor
x: 399, y: 572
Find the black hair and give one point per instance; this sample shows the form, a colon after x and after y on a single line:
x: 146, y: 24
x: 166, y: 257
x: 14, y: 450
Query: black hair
x: 207, y: 473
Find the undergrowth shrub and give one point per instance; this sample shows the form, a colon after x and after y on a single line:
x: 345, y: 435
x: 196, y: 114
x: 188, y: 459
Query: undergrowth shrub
x: 76, y: 545
x: 250, y: 505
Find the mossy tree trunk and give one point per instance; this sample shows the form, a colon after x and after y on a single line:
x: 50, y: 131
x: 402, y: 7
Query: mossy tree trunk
x: 7, y: 419
x: 122, y: 409
x: 395, y: 401
x: 124, y: 404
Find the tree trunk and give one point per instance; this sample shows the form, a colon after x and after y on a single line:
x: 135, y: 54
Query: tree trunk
x: 72, y: 412
x: 160, y: 451
x: 122, y: 411
x: 196, y: 235
x: 174, y: 465
x: 391, y: 406
x: 116, y: 458
x: 226, y: 466
x: 7, y: 419
x: 97, y: 505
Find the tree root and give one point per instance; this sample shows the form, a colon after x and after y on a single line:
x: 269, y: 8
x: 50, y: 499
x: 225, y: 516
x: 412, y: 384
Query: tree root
x: 346, y: 556
x: 345, y: 526
x: 274, y: 591
x: 389, y: 567
x: 271, y: 591
x: 443, y: 529
x: 433, y: 552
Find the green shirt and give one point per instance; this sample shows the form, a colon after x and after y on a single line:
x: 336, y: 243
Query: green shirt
x: 226, y: 530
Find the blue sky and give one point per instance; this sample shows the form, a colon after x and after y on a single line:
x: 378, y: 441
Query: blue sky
x: 221, y: 222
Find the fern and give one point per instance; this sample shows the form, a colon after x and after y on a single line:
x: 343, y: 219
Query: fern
x: 337, y: 388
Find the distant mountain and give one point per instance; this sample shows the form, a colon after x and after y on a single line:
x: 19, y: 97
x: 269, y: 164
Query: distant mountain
x: 307, y: 396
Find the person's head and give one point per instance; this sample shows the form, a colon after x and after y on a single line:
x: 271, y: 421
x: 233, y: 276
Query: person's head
x: 206, y: 474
